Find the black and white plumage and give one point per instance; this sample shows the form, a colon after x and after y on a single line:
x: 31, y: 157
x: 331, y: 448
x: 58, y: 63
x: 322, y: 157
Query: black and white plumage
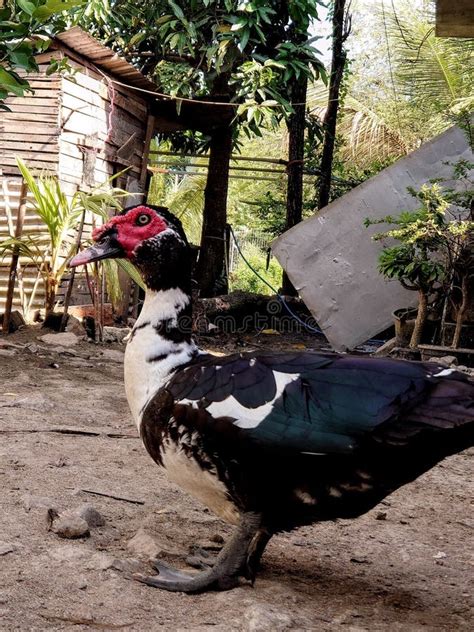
x: 271, y: 441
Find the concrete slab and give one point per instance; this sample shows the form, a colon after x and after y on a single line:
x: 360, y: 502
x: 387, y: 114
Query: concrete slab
x: 332, y: 260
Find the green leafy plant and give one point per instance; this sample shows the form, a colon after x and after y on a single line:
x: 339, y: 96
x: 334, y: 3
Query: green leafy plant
x: 50, y: 250
x: 243, y: 278
x: 25, y: 30
x: 432, y: 245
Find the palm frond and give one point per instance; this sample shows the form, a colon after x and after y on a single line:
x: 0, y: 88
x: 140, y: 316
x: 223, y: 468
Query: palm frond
x: 132, y: 272
x: 427, y: 67
x: 187, y: 204
x: 367, y: 136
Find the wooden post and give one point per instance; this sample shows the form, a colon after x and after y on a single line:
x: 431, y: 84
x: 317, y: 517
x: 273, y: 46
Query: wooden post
x: 150, y: 128
x: 15, y: 256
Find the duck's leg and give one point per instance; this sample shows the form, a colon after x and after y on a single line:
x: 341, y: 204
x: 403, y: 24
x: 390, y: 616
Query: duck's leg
x: 223, y: 575
x: 202, y: 559
x: 255, y: 552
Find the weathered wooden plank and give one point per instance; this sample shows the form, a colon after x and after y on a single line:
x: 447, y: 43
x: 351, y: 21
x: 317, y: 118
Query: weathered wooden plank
x: 31, y: 134
x: 10, y: 167
x: 33, y: 109
x: 73, y: 121
x: 41, y: 92
x: 33, y: 101
x: 84, y: 94
x: 24, y: 145
x: 31, y: 117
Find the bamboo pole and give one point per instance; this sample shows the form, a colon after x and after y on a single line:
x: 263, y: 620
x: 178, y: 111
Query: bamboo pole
x: 70, y: 284
x: 274, y: 161
x: 20, y: 218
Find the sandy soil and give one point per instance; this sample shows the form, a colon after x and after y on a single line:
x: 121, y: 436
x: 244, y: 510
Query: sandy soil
x: 407, y: 565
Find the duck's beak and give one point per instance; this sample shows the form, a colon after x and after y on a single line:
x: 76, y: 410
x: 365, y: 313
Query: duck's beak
x: 107, y: 248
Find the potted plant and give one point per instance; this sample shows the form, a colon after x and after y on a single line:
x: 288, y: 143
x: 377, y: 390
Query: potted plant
x: 431, y: 249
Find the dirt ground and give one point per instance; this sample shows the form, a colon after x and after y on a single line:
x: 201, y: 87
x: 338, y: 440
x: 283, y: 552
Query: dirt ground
x: 407, y: 565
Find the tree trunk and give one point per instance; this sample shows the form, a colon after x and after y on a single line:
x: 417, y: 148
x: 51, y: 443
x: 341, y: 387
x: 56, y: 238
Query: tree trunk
x: 50, y: 292
x: 461, y: 311
x: 294, y: 194
x: 420, y: 319
x: 330, y: 118
x: 211, y: 272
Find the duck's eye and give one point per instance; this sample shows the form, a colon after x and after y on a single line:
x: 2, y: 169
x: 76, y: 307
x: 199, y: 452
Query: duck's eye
x: 143, y: 219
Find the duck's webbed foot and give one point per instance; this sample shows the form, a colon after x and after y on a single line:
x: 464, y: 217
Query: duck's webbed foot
x: 230, y: 565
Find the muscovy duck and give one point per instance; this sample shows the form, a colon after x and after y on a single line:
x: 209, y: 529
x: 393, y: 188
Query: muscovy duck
x: 268, y: 441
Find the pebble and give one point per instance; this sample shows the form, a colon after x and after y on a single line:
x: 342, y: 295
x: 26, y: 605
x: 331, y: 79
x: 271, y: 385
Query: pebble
x: 381, y: 515
x: 127, y: 565
x: 70, y: 527
x: 265, y: 618
x: 115, y: 334
x: 217, y: 538
x: 360, y: 559
x: 90, y: 514
x: 448, y: 360
x: 144, y: 544
x: 74, y: 326
x: 63, y: 339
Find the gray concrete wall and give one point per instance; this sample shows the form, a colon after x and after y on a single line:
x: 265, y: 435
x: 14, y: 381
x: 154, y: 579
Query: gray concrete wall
x: 332, y: 260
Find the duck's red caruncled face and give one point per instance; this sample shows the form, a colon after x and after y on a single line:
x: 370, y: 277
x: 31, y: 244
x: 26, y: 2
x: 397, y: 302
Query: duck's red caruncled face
x: 121, y: 235
x: 137, y: 225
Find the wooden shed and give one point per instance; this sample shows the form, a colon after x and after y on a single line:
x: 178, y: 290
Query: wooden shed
x: 84, y: 127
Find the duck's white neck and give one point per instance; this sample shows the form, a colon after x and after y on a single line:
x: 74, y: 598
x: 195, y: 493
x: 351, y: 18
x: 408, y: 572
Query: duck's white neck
x: 159, y: 343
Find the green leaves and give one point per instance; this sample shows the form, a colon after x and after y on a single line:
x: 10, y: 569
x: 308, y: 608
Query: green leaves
x: 188, y: 46
x: 429, y: 239
x: 19, y: 24
x: 26, y: 6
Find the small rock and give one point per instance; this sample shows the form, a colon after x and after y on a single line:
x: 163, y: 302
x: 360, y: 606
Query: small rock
x: 32, y: 347
x: 113, y: 354
x: 265, y: 618
x: 70, y: 527
x: 360, y: 559
x: 16, y: 321
x: 386, y: 347
x: 404, y: 522
x: 381, y: 515
x: 82, y: 583
x: 144, y: 544
x: 447, y: 361
x: 64, y: 339
x: 90, y: 514
x: 6, y: 548
x: 53, y: 365
x: 217, y: 538
x: 440, y: 555
x: 127, y: 565
x: 115, y: 334
x: 74, y: 326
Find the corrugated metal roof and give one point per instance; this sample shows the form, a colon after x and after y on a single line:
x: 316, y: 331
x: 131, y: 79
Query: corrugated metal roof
x: 104, y: 58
